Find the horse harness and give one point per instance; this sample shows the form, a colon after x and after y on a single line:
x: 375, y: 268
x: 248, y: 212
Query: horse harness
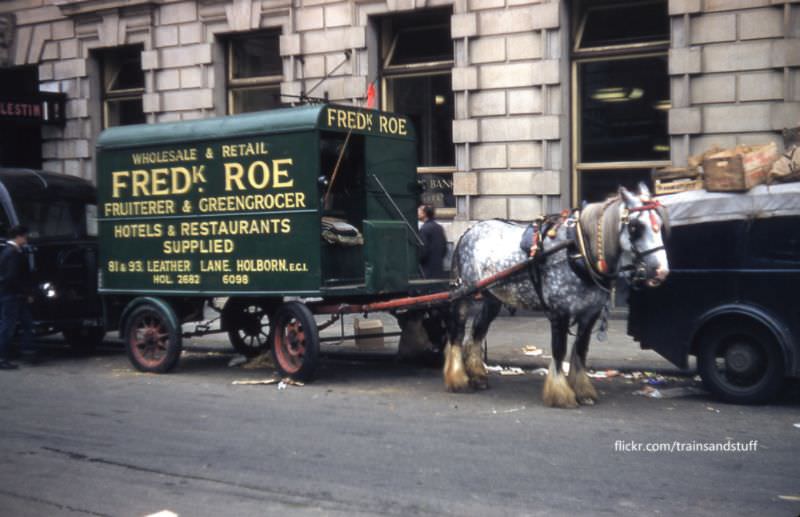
x: 578, y: 252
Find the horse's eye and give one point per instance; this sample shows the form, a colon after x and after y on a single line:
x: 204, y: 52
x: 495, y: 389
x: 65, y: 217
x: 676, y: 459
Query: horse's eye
x: 636, y: 229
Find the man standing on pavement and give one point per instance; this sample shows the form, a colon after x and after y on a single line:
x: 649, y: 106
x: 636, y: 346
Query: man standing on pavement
x: 15, y: 295
x: 435, y: 247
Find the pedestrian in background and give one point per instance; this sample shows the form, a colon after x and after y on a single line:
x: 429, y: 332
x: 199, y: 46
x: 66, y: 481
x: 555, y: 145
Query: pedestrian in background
x: 435, y: 243
x: 15, y: 295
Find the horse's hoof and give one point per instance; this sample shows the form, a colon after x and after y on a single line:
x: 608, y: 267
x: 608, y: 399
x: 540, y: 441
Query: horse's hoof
x: 457, y: 382
x: 582, y: 386
x: 481, y: 383
x: 559, y: 394
x: 459, y: 388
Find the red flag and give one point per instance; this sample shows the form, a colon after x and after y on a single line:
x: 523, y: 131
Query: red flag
x: 371, y: 95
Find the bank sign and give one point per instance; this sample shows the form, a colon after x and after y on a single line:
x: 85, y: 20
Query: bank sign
x: 45, y: 108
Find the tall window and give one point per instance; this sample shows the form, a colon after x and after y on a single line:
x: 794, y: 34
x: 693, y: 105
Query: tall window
x: 255, y: 70
x: 620, y: 95
x: 416, y: 64
x: 122, y: 85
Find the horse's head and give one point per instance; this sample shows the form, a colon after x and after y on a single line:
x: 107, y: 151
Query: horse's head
x: 644, y: 223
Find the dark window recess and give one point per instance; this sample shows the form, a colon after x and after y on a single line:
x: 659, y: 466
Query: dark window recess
x: 428, y: 102
x: 415, y: 45
x: 20, y: 144
x: 775, y: 242
x: 417, y: 59
x: 598, y: 185
x: 122, y: 69
x: 624, y: 105
x: 256, y: 56
x: 705, y: 246
x: 256, y: 99
x: 125, y: 111
x: 255, y: 72
x: 123, y: 85
x: 609, y: 25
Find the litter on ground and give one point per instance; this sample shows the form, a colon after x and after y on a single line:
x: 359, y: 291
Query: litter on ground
x: 604, y: 374
x: 254, y: 382
x: 282, y: 383
x: 505, y: 370
x: 532, y: 350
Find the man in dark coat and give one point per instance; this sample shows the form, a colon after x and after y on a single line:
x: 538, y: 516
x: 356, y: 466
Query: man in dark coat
x: 435, y: 248
x: 15, y: 295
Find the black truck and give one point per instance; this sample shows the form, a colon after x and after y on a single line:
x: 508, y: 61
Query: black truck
x: 60, y: 212
x: 732, y: 298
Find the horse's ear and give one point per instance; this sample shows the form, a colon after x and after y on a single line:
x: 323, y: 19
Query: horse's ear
x: 626, y: 196
x: 644, y: 192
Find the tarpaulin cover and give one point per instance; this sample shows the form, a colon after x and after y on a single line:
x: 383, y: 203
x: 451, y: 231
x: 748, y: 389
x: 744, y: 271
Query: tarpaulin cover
x: 700, y: 206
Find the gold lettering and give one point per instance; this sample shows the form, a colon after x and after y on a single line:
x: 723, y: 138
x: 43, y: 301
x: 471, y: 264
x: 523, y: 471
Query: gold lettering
x: 282, y: 173
x: 160, y: 182
x: 139, y: 180
x: 264, y: 176
x: 233, y: 173
x: 117, y: 182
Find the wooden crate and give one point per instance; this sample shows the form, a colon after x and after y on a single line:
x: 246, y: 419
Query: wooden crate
x: 676, y: 185
x: 738, y: 169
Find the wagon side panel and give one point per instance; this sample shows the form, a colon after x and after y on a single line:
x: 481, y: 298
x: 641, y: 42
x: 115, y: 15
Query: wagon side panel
x: 225, y: 216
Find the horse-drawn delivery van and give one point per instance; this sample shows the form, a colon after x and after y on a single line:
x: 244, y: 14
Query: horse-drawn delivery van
x: 314, y: 202
x: 731, y: 298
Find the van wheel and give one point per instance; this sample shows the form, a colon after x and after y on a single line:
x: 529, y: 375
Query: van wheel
x: 247, y: 324
x: 295, y: 341
x: 84, y: 340
x: 741, y: 363
x: 152, y: 341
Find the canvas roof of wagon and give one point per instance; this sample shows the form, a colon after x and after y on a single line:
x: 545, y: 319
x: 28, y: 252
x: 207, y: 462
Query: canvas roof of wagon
x: 282, y: 120
x: 700, y: 206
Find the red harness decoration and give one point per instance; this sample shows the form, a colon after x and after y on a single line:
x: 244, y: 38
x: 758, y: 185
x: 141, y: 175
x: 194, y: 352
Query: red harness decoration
x: 651, y: 207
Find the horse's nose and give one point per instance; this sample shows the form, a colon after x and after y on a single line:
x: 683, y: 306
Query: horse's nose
x: 661, y: 273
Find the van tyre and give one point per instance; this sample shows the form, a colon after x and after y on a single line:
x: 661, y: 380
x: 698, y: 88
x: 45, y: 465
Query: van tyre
x: 741, y: 363
x: 295, y: 341
x: 152, y: 340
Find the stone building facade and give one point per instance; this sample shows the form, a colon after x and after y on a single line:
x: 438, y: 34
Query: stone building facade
x: 520, y: 91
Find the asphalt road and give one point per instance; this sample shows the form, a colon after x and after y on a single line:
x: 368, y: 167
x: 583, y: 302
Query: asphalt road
x: 90, y: 436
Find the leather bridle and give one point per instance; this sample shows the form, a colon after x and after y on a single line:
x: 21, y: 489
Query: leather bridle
x: 652, y: 208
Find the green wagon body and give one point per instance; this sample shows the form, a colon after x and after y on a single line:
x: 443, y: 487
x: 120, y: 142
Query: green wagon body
x: 232, y: 206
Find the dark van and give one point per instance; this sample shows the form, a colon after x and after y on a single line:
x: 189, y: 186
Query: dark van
x: 60, y: 212
x: 732, y: 298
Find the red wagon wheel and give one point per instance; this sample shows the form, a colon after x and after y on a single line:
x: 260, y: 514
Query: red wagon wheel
x: 152, y: 340
x: 295, y: 341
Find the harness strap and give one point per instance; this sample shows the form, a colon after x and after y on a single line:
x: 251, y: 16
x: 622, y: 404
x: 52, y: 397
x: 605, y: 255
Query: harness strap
x: 594, y: 275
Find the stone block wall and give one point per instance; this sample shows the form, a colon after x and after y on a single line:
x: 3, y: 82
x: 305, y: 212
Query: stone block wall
x: 735, y: 73
x: 510, y: 127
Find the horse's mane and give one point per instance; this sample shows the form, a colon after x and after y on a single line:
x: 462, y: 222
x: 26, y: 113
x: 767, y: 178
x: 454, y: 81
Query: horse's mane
x: 589, y: 217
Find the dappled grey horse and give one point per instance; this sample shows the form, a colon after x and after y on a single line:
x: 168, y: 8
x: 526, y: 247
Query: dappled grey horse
x: 577, y: 256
